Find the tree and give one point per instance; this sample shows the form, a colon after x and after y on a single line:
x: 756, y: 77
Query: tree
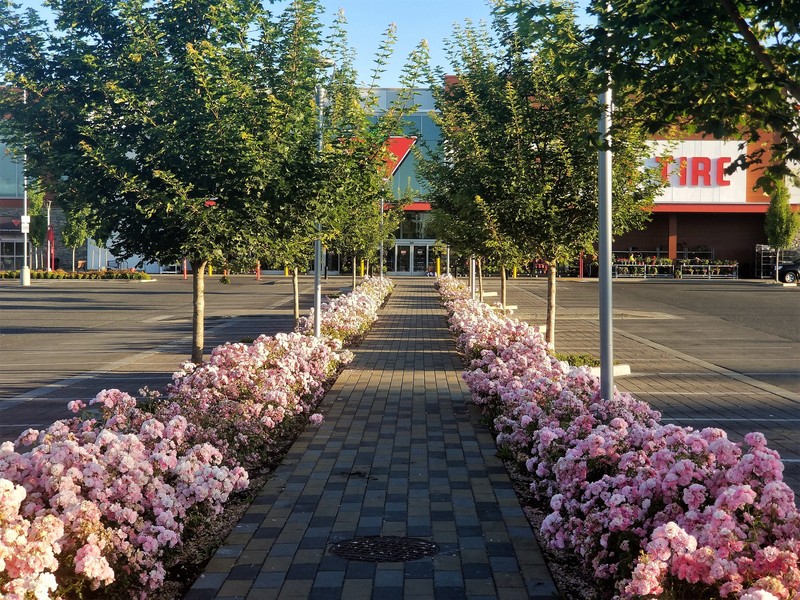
x: 363, y: 209
x: 37, y: 237
x: 76, y: 231
x: 161, y: 119
x: 518, y: 122
x: 727, y: 68
x: 780, y: 223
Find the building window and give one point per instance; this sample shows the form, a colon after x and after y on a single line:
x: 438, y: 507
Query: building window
x: 414, y: 226
x: 10, y: 175
x: 11, y: 256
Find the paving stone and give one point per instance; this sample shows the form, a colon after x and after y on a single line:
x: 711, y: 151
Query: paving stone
x: 397, y: 454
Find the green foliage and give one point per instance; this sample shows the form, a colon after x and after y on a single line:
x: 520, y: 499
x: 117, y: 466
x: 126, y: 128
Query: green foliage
x: 722, y: 67
x: 149, y: 118
x: 76, y: 231
x: 518, y: 169
x: 337, y: 183
x: 59, y: 274
x: 780, y: 223
x: 517, y: 173
x: 578, y: 359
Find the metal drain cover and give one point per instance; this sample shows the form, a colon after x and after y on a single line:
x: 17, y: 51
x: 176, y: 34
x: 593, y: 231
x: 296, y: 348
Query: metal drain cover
x: 387, y: 548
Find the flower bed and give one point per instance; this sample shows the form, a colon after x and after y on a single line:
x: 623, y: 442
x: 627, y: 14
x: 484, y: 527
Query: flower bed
x: 98, y: 502
x: 653, y: 510
x: 61, y: 274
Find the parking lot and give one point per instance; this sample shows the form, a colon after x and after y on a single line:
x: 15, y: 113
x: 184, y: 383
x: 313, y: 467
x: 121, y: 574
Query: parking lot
x: 705, y: 353
x: 63, y: 339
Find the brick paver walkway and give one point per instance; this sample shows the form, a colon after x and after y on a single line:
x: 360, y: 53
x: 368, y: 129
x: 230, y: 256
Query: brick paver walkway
x: 399, y: 454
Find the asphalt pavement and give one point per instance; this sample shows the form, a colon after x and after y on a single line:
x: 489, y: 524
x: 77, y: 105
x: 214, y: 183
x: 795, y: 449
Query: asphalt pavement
x: 63, y: 339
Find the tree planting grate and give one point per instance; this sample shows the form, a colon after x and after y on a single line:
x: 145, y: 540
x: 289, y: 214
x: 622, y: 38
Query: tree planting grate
x: 386, y: 548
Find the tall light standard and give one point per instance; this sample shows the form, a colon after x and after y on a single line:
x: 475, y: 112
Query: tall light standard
x: 318, y: 242
x: 50, y: 239
x: 380, y: 249
x: 604, y: 251
x: 25, y: 221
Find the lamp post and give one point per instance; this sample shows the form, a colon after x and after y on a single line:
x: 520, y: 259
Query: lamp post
x: 318, y: 241
x: 604, y: 251
x: 25, y: 221
x: 320, y: 98
x: 380, y: 249
x: 50, y: 239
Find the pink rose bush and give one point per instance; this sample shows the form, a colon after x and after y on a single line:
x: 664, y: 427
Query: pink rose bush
x: 241, y: 398
x: 349, y: 316
x: 97, y: 503
x: 655, y: 510
x: 121, y: 487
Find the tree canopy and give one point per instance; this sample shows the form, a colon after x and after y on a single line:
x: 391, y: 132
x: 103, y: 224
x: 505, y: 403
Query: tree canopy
x: 728, y: 68
x: 185, y: 128
x: 518, y: 164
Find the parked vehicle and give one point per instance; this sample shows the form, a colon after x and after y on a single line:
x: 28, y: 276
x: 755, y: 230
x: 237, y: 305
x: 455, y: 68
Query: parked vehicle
x: 787, y: 271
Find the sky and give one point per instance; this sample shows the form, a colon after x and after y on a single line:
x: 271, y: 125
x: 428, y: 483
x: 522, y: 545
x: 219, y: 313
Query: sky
x: 416, y: 20
x: 367, y: 21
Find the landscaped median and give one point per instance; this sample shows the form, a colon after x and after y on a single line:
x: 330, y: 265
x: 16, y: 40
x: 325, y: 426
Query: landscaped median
x: 95, y: 505
x: 651, y: 510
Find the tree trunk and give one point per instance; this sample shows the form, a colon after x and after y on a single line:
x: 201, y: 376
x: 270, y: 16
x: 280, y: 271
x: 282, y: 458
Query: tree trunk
x: 550, y: 334
x: 199, y: 309
x: 777, y: 263
x: 296, y: 290
x: 73, y: 259
x: 503, y: 287
x: 479, y: 265
x: 355, y: 264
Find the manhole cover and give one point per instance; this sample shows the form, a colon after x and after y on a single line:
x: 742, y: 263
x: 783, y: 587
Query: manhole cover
x: 384, y: 549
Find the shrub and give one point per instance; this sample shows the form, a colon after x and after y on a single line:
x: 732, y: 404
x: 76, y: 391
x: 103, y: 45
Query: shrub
x: 99, y: 501
x: 655, y: 510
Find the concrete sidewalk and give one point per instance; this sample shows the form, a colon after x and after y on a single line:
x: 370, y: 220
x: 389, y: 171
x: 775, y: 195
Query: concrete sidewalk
x: 399, y: 455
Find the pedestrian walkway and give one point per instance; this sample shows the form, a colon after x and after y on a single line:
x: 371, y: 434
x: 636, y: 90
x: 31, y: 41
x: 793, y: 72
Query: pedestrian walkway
x: 400, y: 455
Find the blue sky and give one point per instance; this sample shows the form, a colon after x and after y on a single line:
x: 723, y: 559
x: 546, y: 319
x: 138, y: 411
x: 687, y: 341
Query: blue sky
x: 431, y: 20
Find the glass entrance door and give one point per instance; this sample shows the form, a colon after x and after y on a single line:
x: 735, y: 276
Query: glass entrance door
x: 403, y: 259
x: 420, y: 259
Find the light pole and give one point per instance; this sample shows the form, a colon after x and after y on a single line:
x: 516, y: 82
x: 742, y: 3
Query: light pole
x: 25, y: 221
x: 380, y: 249
x: 604, y: 252
x: 318, y: 242
x: 50, y: 239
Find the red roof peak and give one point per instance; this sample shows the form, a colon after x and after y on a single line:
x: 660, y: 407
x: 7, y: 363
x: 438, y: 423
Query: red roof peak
x: 398, y: 147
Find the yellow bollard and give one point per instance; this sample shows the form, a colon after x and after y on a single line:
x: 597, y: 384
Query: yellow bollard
x: 362, y: 267
x: 438, y: 266
x: 514, y: 272
x: 210, y: 270
x: 286, y: 271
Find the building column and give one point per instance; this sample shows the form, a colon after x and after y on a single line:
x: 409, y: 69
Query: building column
x: 673, y: 236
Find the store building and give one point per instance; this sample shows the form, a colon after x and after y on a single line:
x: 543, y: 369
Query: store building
x: 413, y: 252
x: 705, y: 214
x: 11, y: 194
